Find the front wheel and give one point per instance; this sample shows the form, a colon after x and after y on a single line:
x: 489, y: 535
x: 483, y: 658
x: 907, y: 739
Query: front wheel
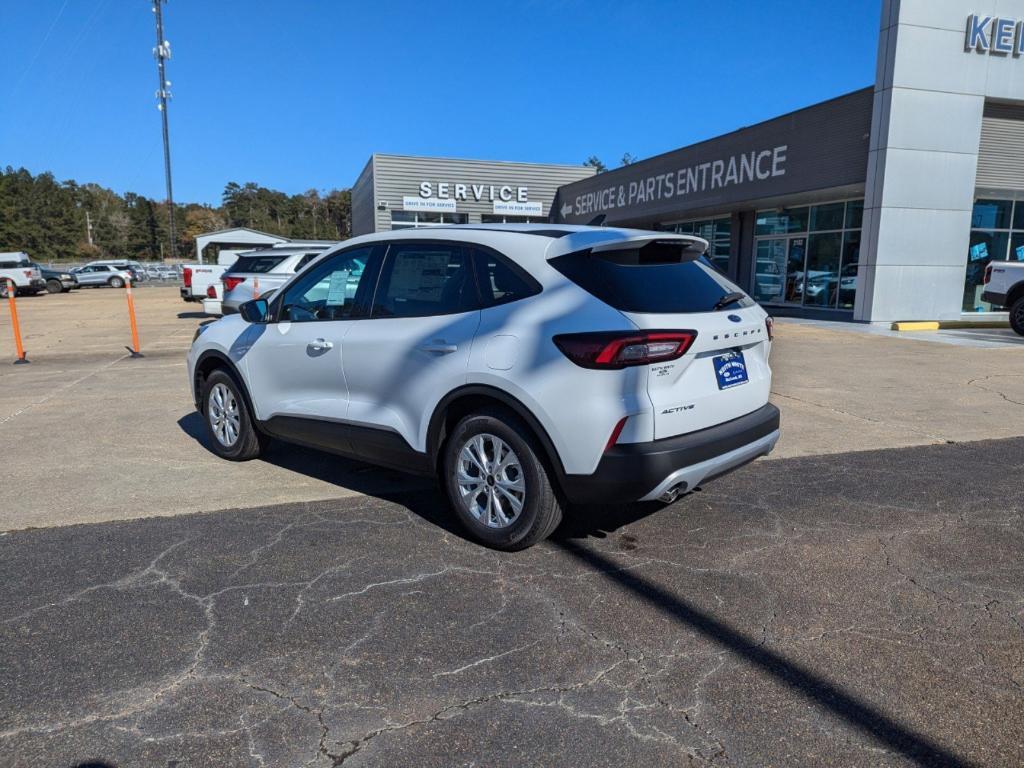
x: 54, y: 286
x: 228, y: 422
x: 116, y: 282
x: 1017, y: 316
x: 496, y: 482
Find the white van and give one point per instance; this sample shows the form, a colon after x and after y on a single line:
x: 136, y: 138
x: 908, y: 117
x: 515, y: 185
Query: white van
x: 17, y: 266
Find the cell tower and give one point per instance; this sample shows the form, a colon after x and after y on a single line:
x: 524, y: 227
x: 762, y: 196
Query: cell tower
x: 161, y: 53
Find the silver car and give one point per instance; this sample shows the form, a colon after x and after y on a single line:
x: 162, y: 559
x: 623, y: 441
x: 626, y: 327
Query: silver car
x: 264, y: 271
x: 101, y: 274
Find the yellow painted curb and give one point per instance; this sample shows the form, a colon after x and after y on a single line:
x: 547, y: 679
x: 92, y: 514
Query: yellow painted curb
x: 917, y: 325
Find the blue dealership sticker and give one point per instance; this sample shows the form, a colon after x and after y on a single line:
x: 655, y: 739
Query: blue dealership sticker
x: 730, y: 370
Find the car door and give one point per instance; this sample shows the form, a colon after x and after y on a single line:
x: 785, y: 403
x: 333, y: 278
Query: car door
x: 93, y: 275
x: 415, y: 346
x: 294, y: 363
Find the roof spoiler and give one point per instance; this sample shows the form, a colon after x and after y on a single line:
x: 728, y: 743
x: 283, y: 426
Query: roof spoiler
x: 691, y: 245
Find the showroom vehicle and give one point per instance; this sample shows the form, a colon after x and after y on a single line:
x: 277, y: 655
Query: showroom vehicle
x: 101, y: 274
x: 57, y: 281
x: 1004, y: 287
x: 263, y: 270
x: 525, y: 366
x: 17, y: 267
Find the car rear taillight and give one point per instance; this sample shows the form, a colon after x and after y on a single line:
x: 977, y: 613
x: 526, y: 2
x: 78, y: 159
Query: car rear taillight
x: 211, y: 292
x: 614, y: 350
x: 186, y: 277
x: 769, y: 325
x: 988, y: 274
x: 231, y: 282
x: 28, y: 273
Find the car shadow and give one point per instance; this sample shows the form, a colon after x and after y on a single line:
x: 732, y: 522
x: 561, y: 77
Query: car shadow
x: 420, y: 495
x: 191, y: 315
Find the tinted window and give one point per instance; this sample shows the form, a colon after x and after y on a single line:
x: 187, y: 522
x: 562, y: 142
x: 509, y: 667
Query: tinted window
x: 422, y: 279
x: 257, y: 264
x: 335, y: 289
x: 633, y: 281
x: 499, y: 281
x: 8, y: 265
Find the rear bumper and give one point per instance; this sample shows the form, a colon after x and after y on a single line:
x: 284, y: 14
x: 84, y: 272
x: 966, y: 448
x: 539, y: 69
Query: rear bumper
x: 999, y: 299
x: 644, y: 471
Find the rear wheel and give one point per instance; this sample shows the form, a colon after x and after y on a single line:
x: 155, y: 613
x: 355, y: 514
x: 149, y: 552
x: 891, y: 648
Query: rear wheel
x: 116, y: 282
x: 228, y: 421
x: 496, y: 482
x: 54, y: 286
x: 3, y: 289
x: 1017, y: 316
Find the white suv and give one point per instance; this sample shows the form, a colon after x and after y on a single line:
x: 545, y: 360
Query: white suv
x: 526, y: 366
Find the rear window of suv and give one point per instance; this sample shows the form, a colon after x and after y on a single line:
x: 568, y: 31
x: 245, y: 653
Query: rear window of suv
x: 659, y: 277
x: 256, y: 264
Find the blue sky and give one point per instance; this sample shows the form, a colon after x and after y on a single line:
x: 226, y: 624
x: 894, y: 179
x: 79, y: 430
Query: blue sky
x: 297, y: 95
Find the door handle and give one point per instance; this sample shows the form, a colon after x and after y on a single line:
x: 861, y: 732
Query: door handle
x: 439, y: 347
x: 320, y: 345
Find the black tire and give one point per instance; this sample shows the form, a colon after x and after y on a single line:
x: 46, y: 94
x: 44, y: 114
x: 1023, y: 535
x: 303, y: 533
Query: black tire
x: 54, y: 286
x: 248, y: 442
x: 1017, y: 316
x: 540, y: 513
x: 116, y: 282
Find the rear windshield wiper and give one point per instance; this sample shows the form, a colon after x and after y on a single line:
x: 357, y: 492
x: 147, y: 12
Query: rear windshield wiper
x: 730, y: 298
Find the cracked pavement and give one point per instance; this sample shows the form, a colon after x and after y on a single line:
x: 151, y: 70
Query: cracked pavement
x: 852, y: 609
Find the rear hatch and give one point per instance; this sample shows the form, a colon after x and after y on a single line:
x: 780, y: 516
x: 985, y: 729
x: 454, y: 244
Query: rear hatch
x: 250, y: 274
x: 664, y: 285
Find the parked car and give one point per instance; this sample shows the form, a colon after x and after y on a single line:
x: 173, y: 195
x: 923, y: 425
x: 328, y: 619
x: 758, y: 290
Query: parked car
x: 135, y: 270
x: 266, y: 270
x: 523, y: 365
x: 57, y: 281
x: 101, y: 274
x: 17, y: 266
x: 1004, y: 287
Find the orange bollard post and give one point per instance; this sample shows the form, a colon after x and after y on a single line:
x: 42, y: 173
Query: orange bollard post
x: 255, y: 287
x: 134, y: 349
x: 11, y: 291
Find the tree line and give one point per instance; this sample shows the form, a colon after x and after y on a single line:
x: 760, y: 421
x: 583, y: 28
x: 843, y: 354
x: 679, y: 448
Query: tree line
x: 66, y: 221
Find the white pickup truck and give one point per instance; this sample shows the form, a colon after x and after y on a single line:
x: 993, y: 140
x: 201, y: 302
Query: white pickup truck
x: 1004, y: 287
x: 201, y: 282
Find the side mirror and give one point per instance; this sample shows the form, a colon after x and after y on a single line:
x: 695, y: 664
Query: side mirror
x: 255, y: 311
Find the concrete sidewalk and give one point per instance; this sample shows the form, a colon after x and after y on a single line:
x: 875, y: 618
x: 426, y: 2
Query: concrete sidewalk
x: 88, y: 434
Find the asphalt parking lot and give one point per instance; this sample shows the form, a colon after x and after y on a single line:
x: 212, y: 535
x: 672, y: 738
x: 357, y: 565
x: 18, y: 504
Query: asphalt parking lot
x: 857, y: 599
x: 854, y: 610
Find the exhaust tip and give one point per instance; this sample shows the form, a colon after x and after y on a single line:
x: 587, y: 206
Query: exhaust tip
x: 673, y: 493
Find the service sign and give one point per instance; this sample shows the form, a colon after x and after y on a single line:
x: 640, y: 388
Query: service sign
x: 433, y: 204
x: 518, y: 209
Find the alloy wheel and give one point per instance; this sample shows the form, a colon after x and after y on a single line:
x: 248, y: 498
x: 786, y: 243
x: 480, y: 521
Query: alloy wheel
x: 225, y: 418
x: 491, y: 482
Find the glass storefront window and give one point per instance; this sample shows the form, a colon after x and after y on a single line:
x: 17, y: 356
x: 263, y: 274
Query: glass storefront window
x: 718, y: 233
x: 997, y: 234
x: 848, y: 271
x: 1017, y: 245
x: 413, y: 219
x: 991, y: 214
x: 810, y: 255
x: 854, y: 214
x: 781, y: 222
x: 825, y: 217
x: 985, y: 247
x: 769, y: 270
x: 822, y: 278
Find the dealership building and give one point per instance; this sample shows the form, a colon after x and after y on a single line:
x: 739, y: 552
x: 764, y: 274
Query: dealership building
x: 401, y: 191
x: 879, y: 205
